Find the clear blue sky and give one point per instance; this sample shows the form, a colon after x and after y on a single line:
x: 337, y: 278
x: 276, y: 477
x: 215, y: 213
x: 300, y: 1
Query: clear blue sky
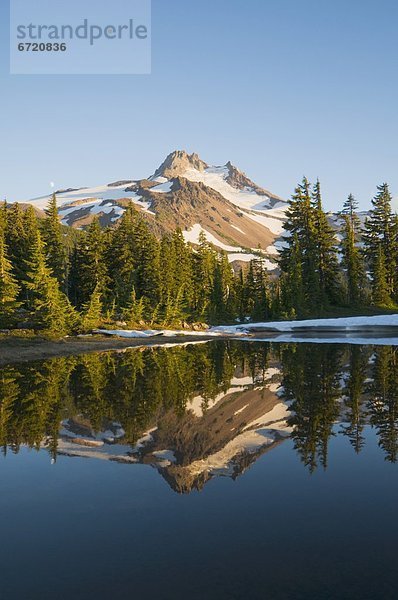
x: 281, y: 88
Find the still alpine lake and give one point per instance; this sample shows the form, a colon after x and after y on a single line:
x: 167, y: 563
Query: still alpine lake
x: 220, y: 470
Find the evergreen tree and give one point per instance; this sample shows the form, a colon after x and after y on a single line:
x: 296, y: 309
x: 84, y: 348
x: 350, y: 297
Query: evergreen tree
x: 20, y: 231
x: 203, y: 268
x: 381, y: 294
x: 3, y: 215
x: 89, y: 269
x: 50, y: 308
x: 394, y: 251
x: 15, y: 240
x: 379, y: 246
x: 326, y: 250
x: 352, y: 262
x: 240, y: 296
x: 135, y: 310
x: 92, y: 310
x: 309, y: 259
x: 302, y: 243
x: 168, y: 284
x: 221, y: 307
x: 256, y: 290
x: 54, y: 245
x: 172, y: 309
x: 350, y: 210
x: 183, y: 279
x: 292, y: 287
x: 8, y: 287
x: 122, y: 259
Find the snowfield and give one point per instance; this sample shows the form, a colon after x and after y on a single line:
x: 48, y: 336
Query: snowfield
x: 272, y: 219
x: 163, y: 188
x: 95, y: 208
x: 378, y: 330
x: 254, y: 206
x: 216, y: 178
x: 192, y: 235
x: 342, y: 323
x: 93, y: 196
x: 152, y: 333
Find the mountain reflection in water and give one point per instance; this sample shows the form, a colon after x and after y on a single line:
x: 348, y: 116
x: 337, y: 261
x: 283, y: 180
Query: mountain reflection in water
x: 200, y: 411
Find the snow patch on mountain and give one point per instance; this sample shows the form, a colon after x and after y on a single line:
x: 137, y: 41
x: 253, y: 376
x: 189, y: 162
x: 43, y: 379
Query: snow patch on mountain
x: 98, y: 193
x: 216, y: 178
x: 272, y: 219
x: 192, y: 235
x: 242, y: 256
x: 199, y: 405
x: 163, y: 188
x: 221, y: 462
x: 95, y: 208
x: 238, y: 229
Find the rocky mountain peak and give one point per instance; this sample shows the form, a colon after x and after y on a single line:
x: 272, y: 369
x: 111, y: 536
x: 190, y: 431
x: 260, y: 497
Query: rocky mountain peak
x: 177, y: 163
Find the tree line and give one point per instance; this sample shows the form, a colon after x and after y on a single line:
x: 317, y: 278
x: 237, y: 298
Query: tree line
x: 60, y: 280
x: 353, y: 264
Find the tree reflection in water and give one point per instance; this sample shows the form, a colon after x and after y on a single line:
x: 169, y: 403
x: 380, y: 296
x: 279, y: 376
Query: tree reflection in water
x: 202, y: 410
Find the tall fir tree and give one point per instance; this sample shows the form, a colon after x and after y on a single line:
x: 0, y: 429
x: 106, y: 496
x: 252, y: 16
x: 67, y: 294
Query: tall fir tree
x: 292, y: 286
x: 381, y: 295
x: 203, y: 267
x: 378, y: 237
x: 8, y: 287
x: 88, y: 264
x: 134, y: 312
x: 121, y: 258
x: 15, y: 240
x: 301, y: 242
x: 352, y: 261
x: 147, y: 275
x: 256, y: 290
x: 92, y: 310
x: 183, y: 279
x: 326, y: 251
x: 54, y: 244
x: 51, y: 310
x: 222, y: 305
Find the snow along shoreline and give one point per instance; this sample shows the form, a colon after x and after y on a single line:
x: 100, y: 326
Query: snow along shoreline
x: 342, y: 324
x: 377, y: 329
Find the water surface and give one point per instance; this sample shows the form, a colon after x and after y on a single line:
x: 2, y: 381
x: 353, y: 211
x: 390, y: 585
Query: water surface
x: 216, y: 470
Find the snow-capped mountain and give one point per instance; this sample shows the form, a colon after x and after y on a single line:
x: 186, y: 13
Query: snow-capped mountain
x: 235, y: 214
